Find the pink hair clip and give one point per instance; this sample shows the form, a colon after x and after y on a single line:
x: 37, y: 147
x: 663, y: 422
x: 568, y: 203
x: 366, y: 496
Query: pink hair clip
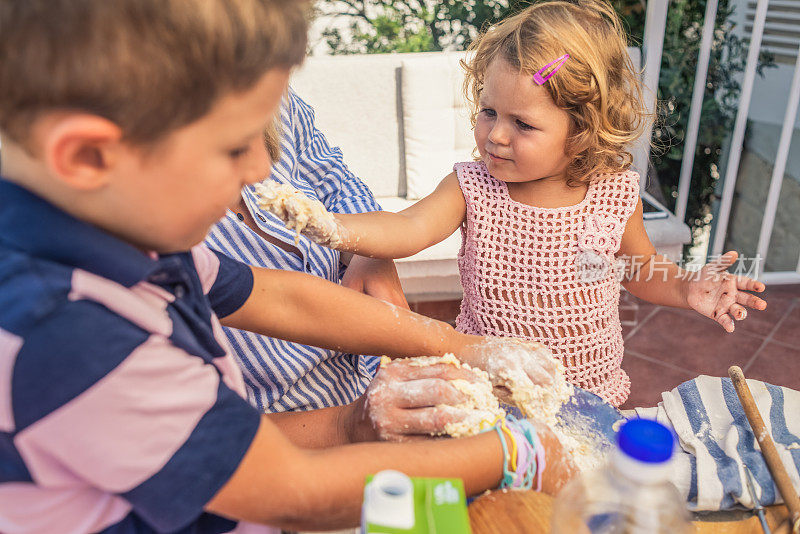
x: 558, y: 64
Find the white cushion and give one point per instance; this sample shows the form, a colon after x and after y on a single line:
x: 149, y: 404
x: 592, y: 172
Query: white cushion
x: 431, y: 274
x: 440, y: 251
x: 356, y: 108
x: 436, y: 122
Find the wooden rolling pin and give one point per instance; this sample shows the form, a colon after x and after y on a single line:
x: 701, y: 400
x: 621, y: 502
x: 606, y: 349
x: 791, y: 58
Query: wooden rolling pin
x: 774, y: 463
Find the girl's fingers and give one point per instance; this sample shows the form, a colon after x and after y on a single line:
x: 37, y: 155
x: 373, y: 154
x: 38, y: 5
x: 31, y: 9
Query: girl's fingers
x: 726, y: 322
x: 724, y: 261
x: 748, y: 284
x: 729, y: 258
x: 750, y: 300
x: 737, y: 311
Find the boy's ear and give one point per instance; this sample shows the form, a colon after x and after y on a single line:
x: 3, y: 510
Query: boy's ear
x: 81, y: 149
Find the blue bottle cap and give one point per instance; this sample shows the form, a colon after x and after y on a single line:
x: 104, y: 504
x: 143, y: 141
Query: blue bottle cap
x: 646, y: 440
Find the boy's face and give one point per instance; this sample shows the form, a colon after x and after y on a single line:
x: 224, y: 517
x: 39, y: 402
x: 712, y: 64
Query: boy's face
x: 167, y: 197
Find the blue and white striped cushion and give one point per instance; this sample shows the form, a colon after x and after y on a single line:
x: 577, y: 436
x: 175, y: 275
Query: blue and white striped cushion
x: 716, y: 440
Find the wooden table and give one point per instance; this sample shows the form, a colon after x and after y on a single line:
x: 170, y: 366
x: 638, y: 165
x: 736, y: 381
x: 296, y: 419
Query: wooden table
x: 528, y: 512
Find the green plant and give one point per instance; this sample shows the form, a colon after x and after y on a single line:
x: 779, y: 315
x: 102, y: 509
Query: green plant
x: 425, y: 25
x: 379, y: 26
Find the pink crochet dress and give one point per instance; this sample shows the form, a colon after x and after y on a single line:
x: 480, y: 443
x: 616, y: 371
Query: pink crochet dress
x: 546, y: 274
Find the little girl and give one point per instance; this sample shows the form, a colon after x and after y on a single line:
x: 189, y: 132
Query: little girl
x: 550, y: 214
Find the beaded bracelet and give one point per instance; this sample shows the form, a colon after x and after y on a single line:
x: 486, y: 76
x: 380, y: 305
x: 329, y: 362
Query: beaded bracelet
x: 527, y: 459
x: 531, y: 436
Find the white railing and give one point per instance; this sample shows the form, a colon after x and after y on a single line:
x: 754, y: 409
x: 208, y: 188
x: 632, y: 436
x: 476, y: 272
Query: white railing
x: 652, y: 49
x: 693, y: 126
x: 737, y: 142
x: 721, y: 220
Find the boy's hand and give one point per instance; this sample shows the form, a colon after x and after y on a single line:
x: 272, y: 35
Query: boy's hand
x: 511, y: 360
x: 376, y: 278
x: 406, y: 402
x: 559, y: 466
x: 717, y: 294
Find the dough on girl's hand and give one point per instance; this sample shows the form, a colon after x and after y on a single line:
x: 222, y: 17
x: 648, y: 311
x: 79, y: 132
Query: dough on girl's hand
x: 299, y: 212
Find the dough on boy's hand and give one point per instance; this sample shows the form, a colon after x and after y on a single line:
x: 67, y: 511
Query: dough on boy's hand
x: 537, y: 402
x: 299, y: 212
x: 480, y: 404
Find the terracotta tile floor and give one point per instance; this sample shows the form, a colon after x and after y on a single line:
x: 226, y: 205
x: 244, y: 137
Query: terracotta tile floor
x: 665, y: 346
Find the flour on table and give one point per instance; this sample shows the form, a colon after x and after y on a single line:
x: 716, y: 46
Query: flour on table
x: 299, y: 212
x: 588, y: 449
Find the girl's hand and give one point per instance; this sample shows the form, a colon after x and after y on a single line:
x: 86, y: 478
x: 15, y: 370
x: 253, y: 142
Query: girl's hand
x: 509, y: 360
x: 301, y: 213
x: 717, y: 294
x: 406, y: 402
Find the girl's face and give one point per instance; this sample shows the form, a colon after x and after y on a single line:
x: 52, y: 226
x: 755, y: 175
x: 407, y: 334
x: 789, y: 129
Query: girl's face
x: 520, y: 132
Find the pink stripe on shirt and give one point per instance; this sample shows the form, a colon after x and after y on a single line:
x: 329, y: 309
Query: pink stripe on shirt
x: 231, y: 373
x: 250, y: 528
x: 9, y: 348
x: 123, y: 429
x: 29, y: 509
x: 207, y: 265
x: 137, y: 306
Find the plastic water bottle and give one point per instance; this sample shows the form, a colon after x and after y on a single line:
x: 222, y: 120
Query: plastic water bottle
x: 631, y: 495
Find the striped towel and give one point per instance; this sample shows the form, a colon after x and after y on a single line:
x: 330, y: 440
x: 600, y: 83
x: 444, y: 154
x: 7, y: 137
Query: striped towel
x: 716, y: 440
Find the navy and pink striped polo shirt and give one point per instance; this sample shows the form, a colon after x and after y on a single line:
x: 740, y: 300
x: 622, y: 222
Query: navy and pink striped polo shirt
x: 121, y: 407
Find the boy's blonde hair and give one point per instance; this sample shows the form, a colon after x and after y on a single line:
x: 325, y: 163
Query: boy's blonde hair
x: 272, y: 139
x: 597, y: 86
x: 150, y: 66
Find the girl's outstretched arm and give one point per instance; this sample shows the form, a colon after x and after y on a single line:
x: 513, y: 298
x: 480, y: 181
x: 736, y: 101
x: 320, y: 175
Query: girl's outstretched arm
x: 712, y: 291
x: 382, y: 234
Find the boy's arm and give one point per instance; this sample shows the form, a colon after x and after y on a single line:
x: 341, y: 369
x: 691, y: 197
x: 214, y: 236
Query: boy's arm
x: 711, y: 291
x: 398, y: 235
x: 312, y: 311
x: 306, y: 309
x: 281, y: 485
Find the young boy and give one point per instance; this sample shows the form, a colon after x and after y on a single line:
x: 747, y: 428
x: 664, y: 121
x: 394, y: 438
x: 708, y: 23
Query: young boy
x: 125, y: 129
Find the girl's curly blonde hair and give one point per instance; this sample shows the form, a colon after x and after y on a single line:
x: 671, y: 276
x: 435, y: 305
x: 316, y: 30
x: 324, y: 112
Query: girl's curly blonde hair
x: 597, y: 86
